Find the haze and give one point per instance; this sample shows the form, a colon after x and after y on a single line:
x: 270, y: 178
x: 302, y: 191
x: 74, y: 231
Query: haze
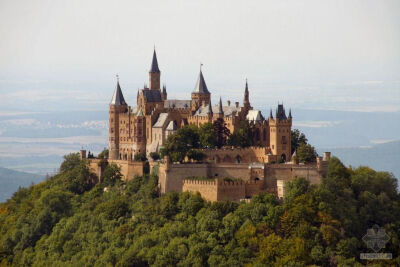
x: 341, y: 55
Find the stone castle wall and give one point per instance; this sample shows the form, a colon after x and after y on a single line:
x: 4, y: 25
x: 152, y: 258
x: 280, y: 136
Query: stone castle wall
x: 254, y: 178
x: 129, y: 169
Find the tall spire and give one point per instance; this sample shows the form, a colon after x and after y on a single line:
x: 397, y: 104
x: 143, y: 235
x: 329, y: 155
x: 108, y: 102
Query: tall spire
x: 201, y: 86
x: 220, y: 109
x: 210, y: 112
x: 246, y: 101
x: 270, y: 114
x: 118, y: 97
x: 154, y: 64
x: 290, y: 113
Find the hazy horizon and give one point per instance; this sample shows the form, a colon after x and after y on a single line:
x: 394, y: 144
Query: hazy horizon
x: 340, y: 55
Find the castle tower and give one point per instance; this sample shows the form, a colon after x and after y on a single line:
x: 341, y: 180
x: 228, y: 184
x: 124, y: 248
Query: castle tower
x: 280, y: 133
x: 210, y: 113
x: 246, y: 101
x: 154, y: 74
x: 117, y: 106
x: 220, y: 112
x: 164, y: 93
x: 200, y: 93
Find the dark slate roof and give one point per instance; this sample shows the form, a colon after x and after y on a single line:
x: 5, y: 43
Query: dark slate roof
x: 154, y: 63
x: 118, y: 97
x: 227, y: 110
x: 280, y: 112
x: 201, y: 86
x: 220, y: 108
x: 174, y: 103
x: 152, y: 95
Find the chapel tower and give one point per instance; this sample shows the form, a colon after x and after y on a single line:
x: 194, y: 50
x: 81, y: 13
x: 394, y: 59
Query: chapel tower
x: 154, y: 74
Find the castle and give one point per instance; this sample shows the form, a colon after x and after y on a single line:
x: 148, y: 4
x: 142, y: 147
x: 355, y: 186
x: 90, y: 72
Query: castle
x: 146, y: 127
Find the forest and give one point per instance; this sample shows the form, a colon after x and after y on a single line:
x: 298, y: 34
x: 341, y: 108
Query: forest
x: 70, y: 220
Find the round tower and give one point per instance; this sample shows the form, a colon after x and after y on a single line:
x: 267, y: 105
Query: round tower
x: 117, y: 106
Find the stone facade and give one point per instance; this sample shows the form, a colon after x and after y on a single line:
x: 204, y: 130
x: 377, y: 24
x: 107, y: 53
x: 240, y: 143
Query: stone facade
x: 146, y: 127
x: 249, y: 178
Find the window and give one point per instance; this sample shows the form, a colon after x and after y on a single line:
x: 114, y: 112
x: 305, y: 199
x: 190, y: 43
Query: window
x: 284, y: 141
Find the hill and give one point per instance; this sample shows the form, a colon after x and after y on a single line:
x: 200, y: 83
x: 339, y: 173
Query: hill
x: 382, y: 157
x: 11, y: 180
x: 70, y: 220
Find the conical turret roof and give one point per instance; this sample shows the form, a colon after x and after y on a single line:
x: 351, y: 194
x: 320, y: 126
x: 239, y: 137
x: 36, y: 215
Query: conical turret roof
x: 154, y: 64
x: 118, y: 97
x: 220, y: 109
x: 201, y: 86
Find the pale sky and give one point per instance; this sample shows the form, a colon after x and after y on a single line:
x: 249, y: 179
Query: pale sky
x: 309, y: 54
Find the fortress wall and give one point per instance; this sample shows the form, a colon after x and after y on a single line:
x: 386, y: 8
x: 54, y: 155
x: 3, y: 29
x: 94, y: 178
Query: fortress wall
x: 229, y: 155
x: 172, y: 175
x: 287, y: 172
x: 240, y: 171
x: 254, y: 188
x: 129, y: 169
x: 233, y: 191
x: 207, y: 189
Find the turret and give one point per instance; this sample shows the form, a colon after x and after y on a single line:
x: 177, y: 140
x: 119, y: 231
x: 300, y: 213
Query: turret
x: 200, y: 93
x: 246, y: 101
x: 280, y: 133
x: 164, y: 93
x: 220, y: 112
x: 117, y: 106
x: 209, y: 111
x: 154, y: 74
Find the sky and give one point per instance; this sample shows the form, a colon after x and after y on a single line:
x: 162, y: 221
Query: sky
x: 64, y: 55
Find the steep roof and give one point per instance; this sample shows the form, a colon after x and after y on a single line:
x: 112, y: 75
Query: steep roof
x: 254, y: 115
x: 152, y: 95
x: 154, y: 63
x: 162, y: 118
x: 118, y: 97
x: 172, y: 126
x: 280, y: 112
x: 220, y: 108
x: 201, y: 86
x: 174, y: 103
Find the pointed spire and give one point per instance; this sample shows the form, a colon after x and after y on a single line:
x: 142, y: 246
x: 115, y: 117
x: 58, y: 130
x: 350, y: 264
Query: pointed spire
x: 154, y: 64
x: 201, y: 86
x: 270, y: 114
x: 290, y: 113
x: 164, y: 89
x: 210, y: 112
x: 246, y: 101
x: 220, y: 109
x: 118, y: 97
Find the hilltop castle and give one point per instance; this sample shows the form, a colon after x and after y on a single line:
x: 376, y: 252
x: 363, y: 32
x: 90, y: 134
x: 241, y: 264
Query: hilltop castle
x: 233, y: 173
x: 146, y: 127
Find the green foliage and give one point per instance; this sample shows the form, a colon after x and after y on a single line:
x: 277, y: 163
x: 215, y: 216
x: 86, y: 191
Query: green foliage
x: 306, y: 153
x: 179, y: 143
x: 196, y: 155
x: 297, y: 138
x: 103, y: 154
x: 140, y: 156
x: 242, y: 136
x: 207, y: 135
x: 155, y: 155
x: 70, y: 161
x: 58, y: 223
x: 221, y: 132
